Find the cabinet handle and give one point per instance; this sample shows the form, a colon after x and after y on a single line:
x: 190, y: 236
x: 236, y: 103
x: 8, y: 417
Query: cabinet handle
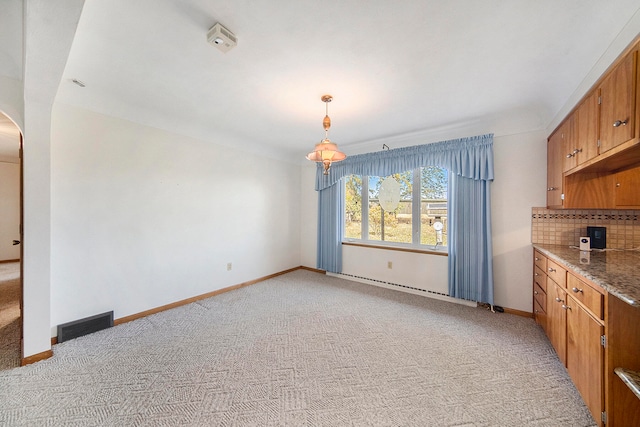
x: 617, y: 184
x: 537, y: 259
x: 566, y: 307
x: 574, y: 152
x: 619, y: 123
x: 537, y: 274
x: 576, y: 290
x: 552, y: 188
x: 552, y: 270
x: 535, y: 292
x: 559, y: 300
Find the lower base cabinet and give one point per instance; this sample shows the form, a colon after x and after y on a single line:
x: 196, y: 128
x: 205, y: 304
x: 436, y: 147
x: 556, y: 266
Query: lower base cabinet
x: 585, y: 355
x: 622, y: 351
x: 593, y: 333
x: 574, y: 324
x: 557, y: 319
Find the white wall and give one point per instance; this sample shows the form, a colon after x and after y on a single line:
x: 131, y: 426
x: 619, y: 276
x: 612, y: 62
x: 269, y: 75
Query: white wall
x: 49, y: 28
x: 142, y: 217
x: 11, y: 101
x: 520, y: 181
x: 519, y: 185
x: 422, y: 271
x: 9, y: 210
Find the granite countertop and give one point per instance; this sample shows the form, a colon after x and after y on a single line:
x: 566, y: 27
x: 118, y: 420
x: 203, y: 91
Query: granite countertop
x: 616, y: 272
x: 630, y: 378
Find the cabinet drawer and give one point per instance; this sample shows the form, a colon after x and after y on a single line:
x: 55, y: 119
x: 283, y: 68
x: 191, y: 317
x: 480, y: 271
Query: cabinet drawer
x: 540, y: 315
x: 540, y: 278
x: 557, y: 273
x: 540, y: 260
x: 540, y: 297
x: 588, y: 296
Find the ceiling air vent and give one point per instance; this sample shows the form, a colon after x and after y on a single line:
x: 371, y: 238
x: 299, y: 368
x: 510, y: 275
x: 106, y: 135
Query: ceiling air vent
x: 221, y: 38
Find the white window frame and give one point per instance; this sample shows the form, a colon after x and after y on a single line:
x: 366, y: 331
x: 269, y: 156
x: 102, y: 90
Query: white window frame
x: 416, y: 202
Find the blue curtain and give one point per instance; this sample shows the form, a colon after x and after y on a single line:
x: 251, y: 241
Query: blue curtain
x: 330, y: 228
x: 470, y: 163
x: 469, y: 157
x: 470, y: 244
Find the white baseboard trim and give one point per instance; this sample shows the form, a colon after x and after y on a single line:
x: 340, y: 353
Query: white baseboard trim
x: 403, y: 288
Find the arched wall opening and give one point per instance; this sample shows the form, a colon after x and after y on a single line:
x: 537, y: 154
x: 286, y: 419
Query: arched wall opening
x: 11, y: 254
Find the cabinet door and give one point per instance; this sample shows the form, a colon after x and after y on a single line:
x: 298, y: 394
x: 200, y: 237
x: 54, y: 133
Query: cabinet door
x: 585, y: 136
x: 554, y: 169
x: 569, y: 143
x: 627, y: 190
x: 585, y: 355
x: 557, y: 319
x: 617, y: 109
x: 623, y: 350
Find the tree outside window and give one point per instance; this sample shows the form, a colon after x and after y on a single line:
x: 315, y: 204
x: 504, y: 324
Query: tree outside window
x: 399, y: 225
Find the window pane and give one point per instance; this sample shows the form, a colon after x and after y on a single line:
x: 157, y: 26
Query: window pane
x: 353, y: 207
x: 375, y: 211
x: 395, y: 225
x: 433, y: 206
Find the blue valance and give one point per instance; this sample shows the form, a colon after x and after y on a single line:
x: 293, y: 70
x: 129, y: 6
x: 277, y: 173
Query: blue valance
x: 467, y: 157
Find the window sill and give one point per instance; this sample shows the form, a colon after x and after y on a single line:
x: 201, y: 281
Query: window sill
x: 397, y: 248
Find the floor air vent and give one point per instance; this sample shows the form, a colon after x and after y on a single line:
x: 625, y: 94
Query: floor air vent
x: 88, y: 325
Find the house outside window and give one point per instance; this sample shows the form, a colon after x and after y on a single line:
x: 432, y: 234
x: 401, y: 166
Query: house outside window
x: 418, y: 220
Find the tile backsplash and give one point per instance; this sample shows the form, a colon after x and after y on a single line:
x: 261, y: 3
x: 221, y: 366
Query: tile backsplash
x: 566, y: 226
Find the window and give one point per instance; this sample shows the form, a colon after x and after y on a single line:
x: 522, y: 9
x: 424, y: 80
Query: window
x: 423, y: 195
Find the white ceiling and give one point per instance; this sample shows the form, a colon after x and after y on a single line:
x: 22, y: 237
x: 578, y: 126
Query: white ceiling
x: 393, y: 67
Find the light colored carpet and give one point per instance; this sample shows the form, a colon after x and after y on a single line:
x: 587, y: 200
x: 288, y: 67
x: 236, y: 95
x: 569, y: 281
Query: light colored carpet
x: 302, y: 349
x: 9, y: 315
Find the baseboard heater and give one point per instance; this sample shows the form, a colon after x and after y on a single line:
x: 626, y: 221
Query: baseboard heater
x: 88, y: 325
x: 405, y: 288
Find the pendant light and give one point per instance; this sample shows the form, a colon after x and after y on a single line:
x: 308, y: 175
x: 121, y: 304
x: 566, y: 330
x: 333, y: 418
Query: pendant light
x: 326, y: 152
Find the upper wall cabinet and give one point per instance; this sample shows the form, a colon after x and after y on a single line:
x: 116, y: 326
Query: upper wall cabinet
x: 618, y: 104
x: 584, y: 145
x: 570, y: 143
x: 627, y: 185
x: 597, y: 140
x: 555, y: 150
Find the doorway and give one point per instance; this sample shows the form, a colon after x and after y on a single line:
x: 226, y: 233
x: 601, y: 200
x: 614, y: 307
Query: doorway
x: 10, y: 244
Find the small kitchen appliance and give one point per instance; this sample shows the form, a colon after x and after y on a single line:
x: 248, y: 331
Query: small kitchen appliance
x: 598, y: 237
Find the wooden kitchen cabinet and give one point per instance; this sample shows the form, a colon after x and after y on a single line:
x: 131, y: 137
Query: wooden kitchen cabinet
x: 585, y: 355
x: 557, y: 319
x: 627, y: 189
x: 585, y: 351
x: 549, y: 296
x: 593, y: 331
x: 583, y: 143
x: 540, y: 290
x: 555, y: 164
x: 622, y: 351
x: 597, y: 140
x: 569, y: 142
x: 572, y: 316
x: 618, y: 103
x: 580, y: 133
